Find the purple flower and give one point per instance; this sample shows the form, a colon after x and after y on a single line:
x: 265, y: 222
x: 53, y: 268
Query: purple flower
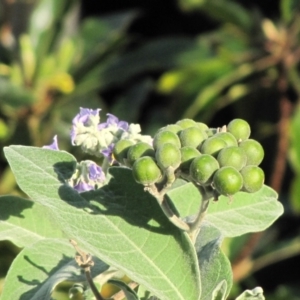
x: 85, y: 118
x: 96, y: 173
x: 84, y: 115
x: 83, y: 187
x: 53, y: 146
x: 108, y: 152
x: 113, y: 121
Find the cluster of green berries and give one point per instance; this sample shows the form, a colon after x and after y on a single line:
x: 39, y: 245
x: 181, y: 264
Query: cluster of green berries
x: 225, y: 159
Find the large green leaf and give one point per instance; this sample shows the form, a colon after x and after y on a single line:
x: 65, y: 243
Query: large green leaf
x: 40, y: 267
x: 21, y: 221
x: 216, y: 274
x: 119, y: 223
x: 245, y: 212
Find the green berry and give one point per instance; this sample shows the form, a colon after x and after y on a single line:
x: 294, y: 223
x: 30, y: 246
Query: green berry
x: 168, y: 155
x: 202, y: 126
x: 187, y: 156
x: 121, y: 149
x: 240, y: 129
x: 165, y: 136
x: 232, y: 156
x: 211, y: 131
x: 172, y: 127
x: 228, y: 138
x: 146, y: 171
x: 212, y: 145
x: 203, y: 168
x: 139, y: 150
x: 253, y: 177
x: 186, y: 123
x: 192, y: 137
x: 227, y: 181
x: 254, y: 151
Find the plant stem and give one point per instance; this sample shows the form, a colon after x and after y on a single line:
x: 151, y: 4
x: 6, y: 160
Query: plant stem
x: 84, y: 260
x: 91, y: 283
x: 167, y: 210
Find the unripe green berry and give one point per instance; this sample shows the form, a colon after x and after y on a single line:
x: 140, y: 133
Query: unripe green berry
x: 228, y: 138
x: 187, y: 156
x: 186, y: 123
x: 240, y: 129
x: 168, y: 155
x: 232, y: 156
x: 227, y: 181
x: 212, y: 146
x: 254, y: 151
x: 211, y: 131
x: 203, y: 168
x: 192, y: 137
x: 253, y: 177
x: 172, y: 127
x: 139, y: 150
x: 146, y: 171
x: 165, y: 136
x: 202, y: 126
x: 121, y: 149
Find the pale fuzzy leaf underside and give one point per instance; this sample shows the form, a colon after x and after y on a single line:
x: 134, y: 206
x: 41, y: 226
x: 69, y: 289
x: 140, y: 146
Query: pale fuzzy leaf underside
x: 255, y: 294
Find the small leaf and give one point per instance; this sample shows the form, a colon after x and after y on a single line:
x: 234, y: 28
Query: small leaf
x: 215, y: 268
x: 289, y: 9
x: 21, y: 222
x: 245, y: 212
x: 220, y: 291
x: 255, y: 294
x: 129, y: 293
x: 186, y: 198
x: 40, y: 267
x: 294, y: 193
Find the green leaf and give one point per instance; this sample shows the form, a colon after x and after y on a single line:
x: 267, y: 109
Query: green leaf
x: 295, y: 192
x: 119, y: 223
x: 220, y: 291
x: 289, y: 9
x: 40, y: 267
x: 245, y: 212
x: 186, y: 198
x: 215, y: 268
x: 21, y: 222
x: 129, y: 293
x: 255, y: 294
x: 295, y: 141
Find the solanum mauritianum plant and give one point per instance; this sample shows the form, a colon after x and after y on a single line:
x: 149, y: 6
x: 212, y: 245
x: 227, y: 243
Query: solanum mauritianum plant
x: 153, y: 209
